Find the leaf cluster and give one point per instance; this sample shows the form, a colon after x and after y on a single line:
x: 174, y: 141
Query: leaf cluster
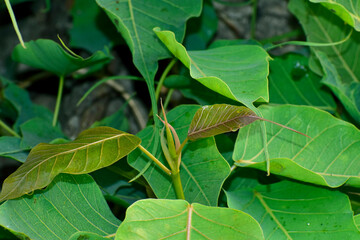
x: 291, y: 170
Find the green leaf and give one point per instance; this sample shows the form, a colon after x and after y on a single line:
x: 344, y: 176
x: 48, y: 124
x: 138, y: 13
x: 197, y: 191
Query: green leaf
x: 50, y: 56
x: 177, y: 219
x: 117, y: 120
x: 90, y: 23
x: 357, y: 221
x: 116, y: 185
x: 200, y: 30
x: 237, y: 72
x: 70, y: 204
x: 347, y: 10
x: 347, y: 93
x: 203, y: 170
x: 194, y: 90
x: 289, y: 210
x: 37, y: 131
x: 21, y: 101
x: 292, y: 82
x: 135, y: 21
x: 330, y: 157
x: 93, y: 149
x: 219, y: 118
x: 10, y: 147
x: 322, y: 26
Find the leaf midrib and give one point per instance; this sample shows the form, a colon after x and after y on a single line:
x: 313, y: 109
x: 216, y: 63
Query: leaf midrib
x: 66, y: 152
x: 219, y: 124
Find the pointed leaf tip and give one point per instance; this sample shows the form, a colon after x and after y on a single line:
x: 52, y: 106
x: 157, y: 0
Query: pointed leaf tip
x: 93, y: 149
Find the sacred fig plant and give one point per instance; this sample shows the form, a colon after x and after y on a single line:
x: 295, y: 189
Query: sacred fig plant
x: 249, y: 142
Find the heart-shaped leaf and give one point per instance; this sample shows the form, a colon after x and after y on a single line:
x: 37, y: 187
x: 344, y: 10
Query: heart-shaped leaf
x: 348, y: 11
x: 50, y: 56
x: 71, y: 203
x: 289, y: 210
x: 93, y: 149
x: 237, y: 72
x: 203, y: 170
x: 330, y: 157
x: 177, y: 219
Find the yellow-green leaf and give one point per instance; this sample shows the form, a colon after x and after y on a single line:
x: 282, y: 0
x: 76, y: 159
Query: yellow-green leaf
x: 93, y: 149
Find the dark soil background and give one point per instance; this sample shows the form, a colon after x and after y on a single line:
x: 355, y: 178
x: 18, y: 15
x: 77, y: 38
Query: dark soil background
x: 272, y: 19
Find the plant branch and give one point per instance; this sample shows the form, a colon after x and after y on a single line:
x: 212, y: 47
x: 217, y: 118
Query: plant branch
x: 8, y: 129
x: 58, y: 100
x: 162, y: 166
x: 14, y: 22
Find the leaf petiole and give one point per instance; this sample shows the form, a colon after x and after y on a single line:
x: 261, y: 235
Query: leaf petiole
x: 8, y: 129
x: 58, y: 100
x: 162, y: 166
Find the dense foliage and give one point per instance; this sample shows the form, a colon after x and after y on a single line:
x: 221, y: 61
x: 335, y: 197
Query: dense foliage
x: 292, y: 171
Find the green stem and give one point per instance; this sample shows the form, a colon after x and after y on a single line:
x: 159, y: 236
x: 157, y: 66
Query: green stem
x: 168, y: 97
x: 162, y: 78
x: 8, y: 129
x: 294, y: 33
x: 58, y: 100
x: 162, y: 166
x: 310, y: 44
x: 253, y: 19
x: 175, y: 176
x: 13, y: 19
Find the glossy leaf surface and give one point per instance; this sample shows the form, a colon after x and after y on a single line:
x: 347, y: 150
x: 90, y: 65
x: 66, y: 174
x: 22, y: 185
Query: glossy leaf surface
x: 329, y: 157
x: 70, y: 204
x: 50, y: 56
x: 177, y: 219
x: 292, y: 82
x: 237, y: 72
x: 347, y: 10
x: 219, y: 118
x: 322, y: 26
x: 93, y: 149
x: 289, y: 210
x: 203, y: 170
